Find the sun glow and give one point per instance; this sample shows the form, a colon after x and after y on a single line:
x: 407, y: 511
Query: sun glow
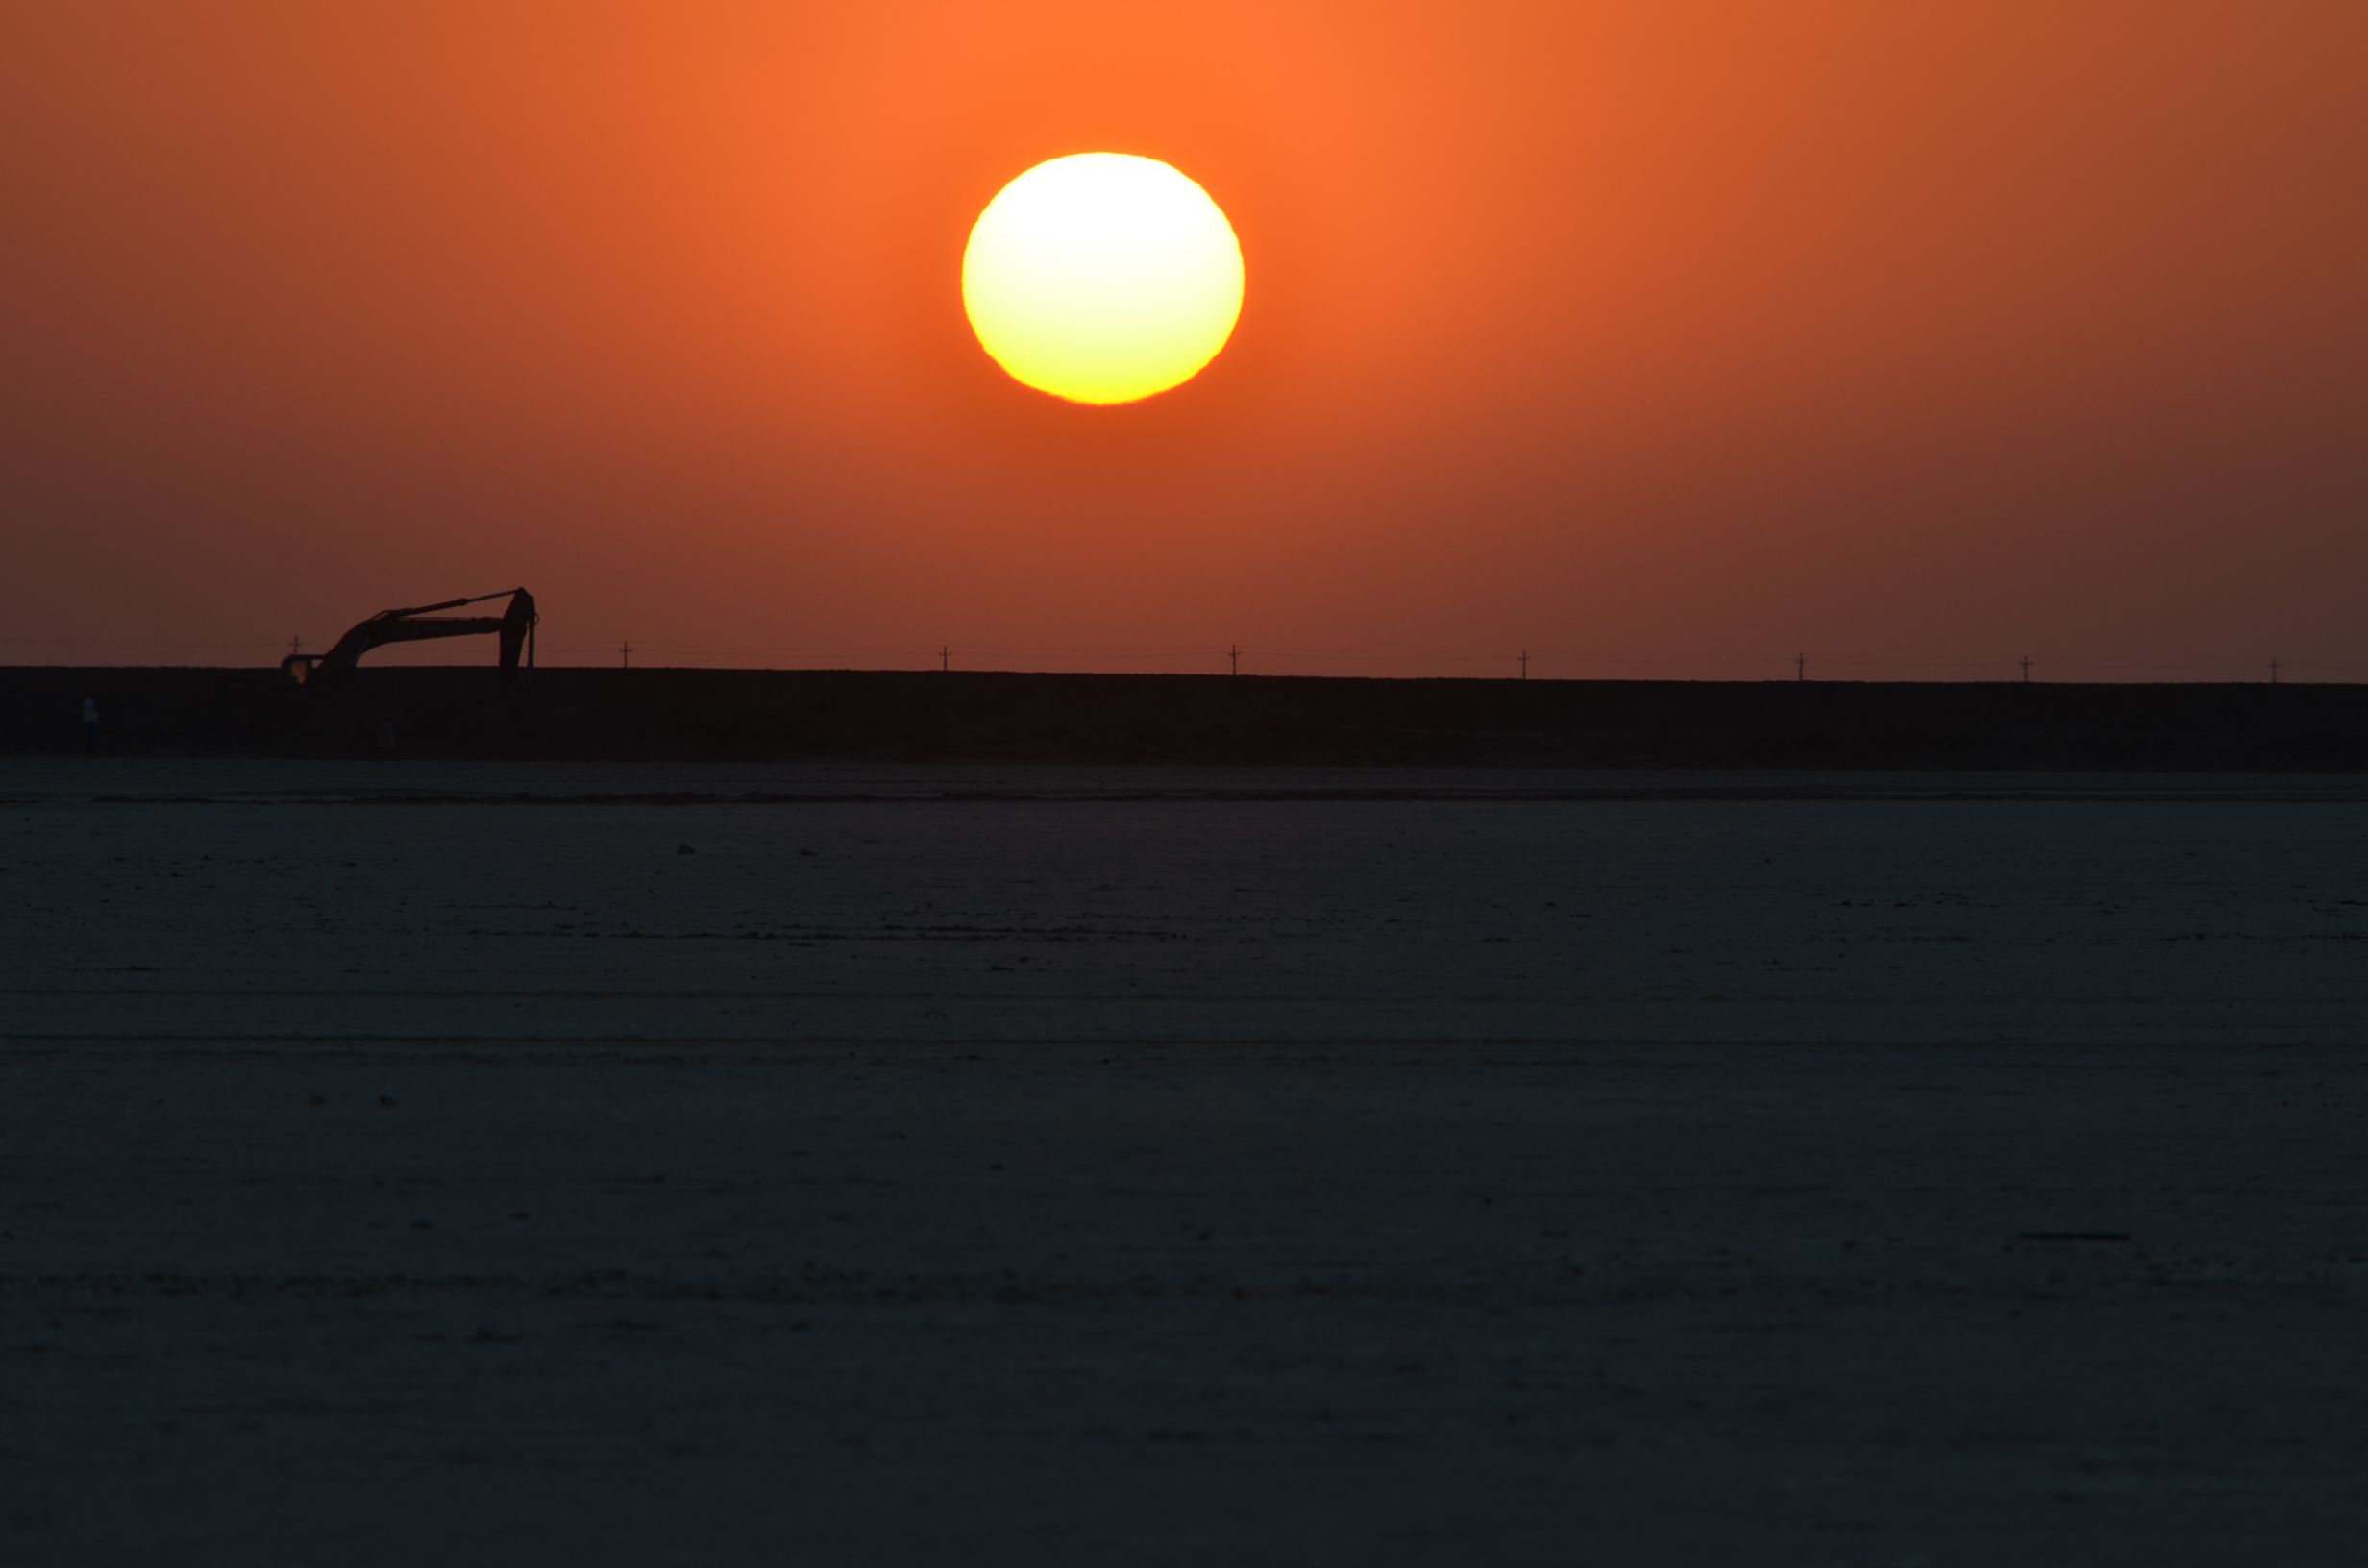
x: 1102, y: 278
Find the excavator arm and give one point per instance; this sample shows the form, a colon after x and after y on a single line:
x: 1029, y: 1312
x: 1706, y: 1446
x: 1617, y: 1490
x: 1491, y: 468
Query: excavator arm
x: 514, y: 626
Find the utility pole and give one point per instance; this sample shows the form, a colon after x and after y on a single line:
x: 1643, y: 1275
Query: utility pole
x: 1525, y: 664
x: 1800, y: 667
x: 2273, y: 671
x: 1233, y: 654
x: 295, y: 644
x: 945, y: 658
x: 2025, y: 669
x: 625, y: 651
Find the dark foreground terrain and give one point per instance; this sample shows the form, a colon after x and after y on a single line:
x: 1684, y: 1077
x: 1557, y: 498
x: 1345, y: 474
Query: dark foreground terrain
x: 776, y: 715
x: 419, y: 1163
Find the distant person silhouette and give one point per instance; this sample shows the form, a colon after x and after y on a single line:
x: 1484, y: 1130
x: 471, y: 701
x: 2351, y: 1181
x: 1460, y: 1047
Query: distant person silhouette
x: 90, y: 723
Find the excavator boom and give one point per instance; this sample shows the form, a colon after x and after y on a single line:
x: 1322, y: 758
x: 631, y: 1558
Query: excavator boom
x: 514, y: 626
x: 448, y: 604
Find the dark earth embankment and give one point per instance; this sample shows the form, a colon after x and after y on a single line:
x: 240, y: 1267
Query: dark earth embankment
x: 755, y: 714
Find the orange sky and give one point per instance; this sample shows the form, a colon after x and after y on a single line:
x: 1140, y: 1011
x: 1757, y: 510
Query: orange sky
x: 1660, y: 339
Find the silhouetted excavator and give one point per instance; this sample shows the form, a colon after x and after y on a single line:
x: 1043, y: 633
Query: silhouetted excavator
x: 516, y: 625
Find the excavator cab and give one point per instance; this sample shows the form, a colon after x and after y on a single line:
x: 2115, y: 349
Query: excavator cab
x: 514, y: 627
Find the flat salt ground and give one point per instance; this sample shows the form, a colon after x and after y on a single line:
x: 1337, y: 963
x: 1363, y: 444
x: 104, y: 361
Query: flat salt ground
x: 1624, y: 1176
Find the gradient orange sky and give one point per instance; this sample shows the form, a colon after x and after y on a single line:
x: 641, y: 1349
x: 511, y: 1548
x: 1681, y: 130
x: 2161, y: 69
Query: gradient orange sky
x: 1659, y: 339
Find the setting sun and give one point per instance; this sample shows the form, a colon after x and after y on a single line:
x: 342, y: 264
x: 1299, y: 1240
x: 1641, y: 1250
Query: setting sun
x: 1102, y: 278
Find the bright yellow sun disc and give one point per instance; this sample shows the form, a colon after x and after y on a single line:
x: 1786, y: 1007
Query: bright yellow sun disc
x: 1102, y: 278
